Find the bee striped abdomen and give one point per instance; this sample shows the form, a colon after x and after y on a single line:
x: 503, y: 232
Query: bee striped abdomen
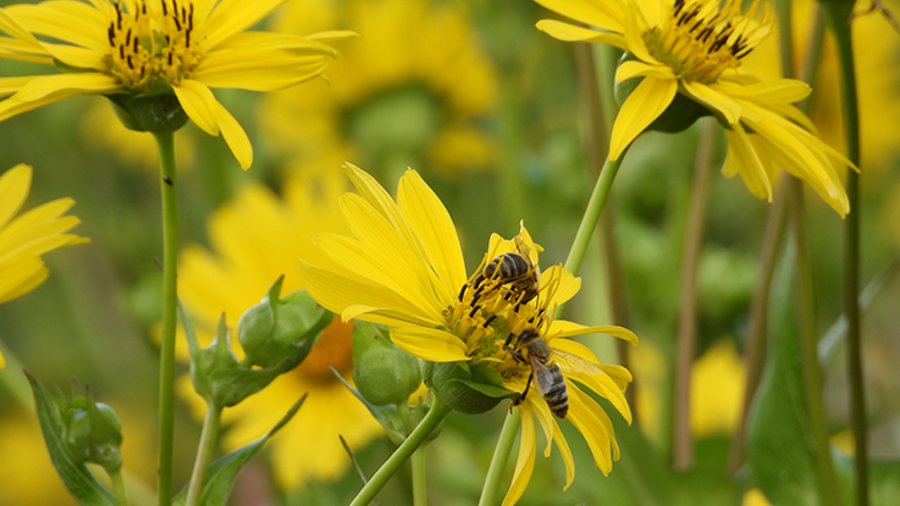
x: 552, y: 387
x: 507, y: 267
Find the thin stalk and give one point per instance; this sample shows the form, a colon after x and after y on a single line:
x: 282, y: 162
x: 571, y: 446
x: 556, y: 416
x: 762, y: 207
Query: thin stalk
x: 205, y: 450
x: 490, y: 493
x: 682, y: 442
x: 596, y: 83
x: 416, y: 438
x: 812, y: 375
x: 755, y: 351
x: 592, y: 214
x: 166, y: 144
x: 842, y: 29
x: 419, y: 481
x: 119, y: 486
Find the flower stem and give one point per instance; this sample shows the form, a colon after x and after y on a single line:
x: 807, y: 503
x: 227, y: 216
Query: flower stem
x: 119, y: 486
x: 683, y: 445
x: 491, y: 490
x: 838, y: 20
x: 416, y: 438
x: 592, y: 214
x: 166, y: 144
x: 419, y: 481
x: 205, y: 449
x: 812, y: 375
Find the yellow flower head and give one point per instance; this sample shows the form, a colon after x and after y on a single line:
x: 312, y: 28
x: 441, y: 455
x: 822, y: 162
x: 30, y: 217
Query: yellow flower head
x: 395, y: 91
x: 135, y: 46
x: 694, y: 48
x: 401, y: 265
x: 256, y: 238
x: 24, y: 238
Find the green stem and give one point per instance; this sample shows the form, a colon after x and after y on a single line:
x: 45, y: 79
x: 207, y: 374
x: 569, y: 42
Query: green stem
x: 166, y: 144
x: 205, y: 449
x: 839, y: 21
x: 812, y: 375
x: 419, y: 481
x: 491, y: 490
x: 416, y: 438
x: 592, y: 214
x: 682, y: 442
x: 119, y: 486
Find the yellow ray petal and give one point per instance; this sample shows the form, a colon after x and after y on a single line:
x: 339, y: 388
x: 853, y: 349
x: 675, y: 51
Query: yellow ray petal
x: 633, y: 68
x: 20, y: 277
x: 558, y: 286
x: 741, y: 158
x: 608, y: 15
x: 43, y: 90
x: 648, y: 100
x: 434, y: 227
x: 430, y: 344
x: 14, y: 185
x: 715, y: 100
x: 563, y: 328
x: 566, y: 32
x: 635, y: 25
x: 525, y: 460
x: 69, y: 21
x: 230, y: 17
x: 593, y: 424
x: 568, y: 461
x: 776, y: 91
x: 201, y: 106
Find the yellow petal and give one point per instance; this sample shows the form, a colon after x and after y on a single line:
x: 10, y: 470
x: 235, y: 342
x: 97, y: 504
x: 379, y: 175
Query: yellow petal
x: 633, y: 68
x: 741, y: 158
x: 566, y: 32
x: 776, y: 91
x: 604, y: 14
x: 20, y: 277
x: 434, y: 227
x: 563, y: 328
x: 14, y: 185
x: 715, y: 100
x: 230, y: 17
x: 43, y: 90
x: 558, y: 285
x: 69, y: 21
x: 635, y: 25
x: 566, y: 453
x: 593, y: 424
x: 525, y: 460
x: 648, y: 100
x: 430, y: 344
x: 206, y: 112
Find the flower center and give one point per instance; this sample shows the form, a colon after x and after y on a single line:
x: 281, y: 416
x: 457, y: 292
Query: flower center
x: 333, y: 348
x: 147, y: 45
x: 700, y: 39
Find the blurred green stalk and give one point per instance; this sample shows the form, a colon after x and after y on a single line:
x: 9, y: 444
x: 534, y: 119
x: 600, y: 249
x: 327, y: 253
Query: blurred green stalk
x: 839, y: 17
x: 205, y: 449
x: 592, y: 213
x: 491, y: 490
x: 166, y: 144
x: 826, y: 479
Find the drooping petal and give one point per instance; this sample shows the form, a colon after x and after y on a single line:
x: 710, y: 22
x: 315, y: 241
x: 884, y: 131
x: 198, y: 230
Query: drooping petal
x: 741, y: 158
x: 201, y: 106
x: 14, y: 185
x: 43, y: 90
x: 20, y: 277
x: 566, y: 32
x: 608, y: 15
x: 648, y: 100
x: 777, y: 91
x: 525, y: 460
x: 594, y: 425
x: 717, y: 101
x: 432, y: 224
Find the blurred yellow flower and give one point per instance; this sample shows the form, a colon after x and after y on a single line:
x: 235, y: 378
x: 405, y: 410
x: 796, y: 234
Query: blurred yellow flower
x: 28, y: 474
x: 401, y: 265
x: 876, y: 50
x: 755, y: 497
x: 109, y: 47
x: 254, y: 239
x: 395, y: 97
x: 24, y: 238
x: 694, y: 48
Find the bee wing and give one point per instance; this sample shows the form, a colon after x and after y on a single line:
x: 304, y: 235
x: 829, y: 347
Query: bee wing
x: 543, y: 377
x: 596, y: 378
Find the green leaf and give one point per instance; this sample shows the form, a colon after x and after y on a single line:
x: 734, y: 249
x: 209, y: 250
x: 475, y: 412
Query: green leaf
x: 780, y: 447
x: 76, y: 476
x: 221, y: 474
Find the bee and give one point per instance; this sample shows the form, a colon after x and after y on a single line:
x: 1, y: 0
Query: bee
x: 550, y: 381
x: 515, y: 270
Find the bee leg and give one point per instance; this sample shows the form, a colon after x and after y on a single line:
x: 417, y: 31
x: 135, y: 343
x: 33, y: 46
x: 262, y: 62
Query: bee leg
x: 462, y: 291
x: 489, y: 320
x: 521, y: 397
x: 515, y: 354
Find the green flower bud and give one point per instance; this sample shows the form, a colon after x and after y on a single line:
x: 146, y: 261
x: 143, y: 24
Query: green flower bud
x: 157, y: 110
x: 679, y: 116
x: 93, y: 433
x: 383, y: 373
x: 210, y: 362
x: 277, y: 329
x: 465, y: 387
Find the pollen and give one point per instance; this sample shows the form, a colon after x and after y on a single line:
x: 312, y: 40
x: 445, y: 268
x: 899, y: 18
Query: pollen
x: 701, y: 39
x: 151, y: 42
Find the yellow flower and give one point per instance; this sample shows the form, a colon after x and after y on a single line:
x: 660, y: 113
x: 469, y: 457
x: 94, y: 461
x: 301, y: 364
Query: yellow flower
x: 28, y: 474
x: 111, y: 47
x: 24, y: 238
x: 255, y: 239
x: 401, y: 265
x: 395, y: 93
x: 694, y: 48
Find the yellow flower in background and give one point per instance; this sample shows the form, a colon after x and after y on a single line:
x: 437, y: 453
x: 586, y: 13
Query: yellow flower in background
x: 24, y: 238
x: 254, y: 239
x: 401, y: 265
x: 695, y: 48
x: 28, y: 474
x: 876, y: 50
x: 109, y: 47
x: 395, y: 96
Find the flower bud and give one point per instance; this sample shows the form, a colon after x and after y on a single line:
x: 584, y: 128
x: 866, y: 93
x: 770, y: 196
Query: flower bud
x: 153, y: 111
x: 277, y: 329
x: 679, y: 116
x: 383, y: 373
x: 93, y: 433
x: 465, y: 387
x: 211, y: 362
